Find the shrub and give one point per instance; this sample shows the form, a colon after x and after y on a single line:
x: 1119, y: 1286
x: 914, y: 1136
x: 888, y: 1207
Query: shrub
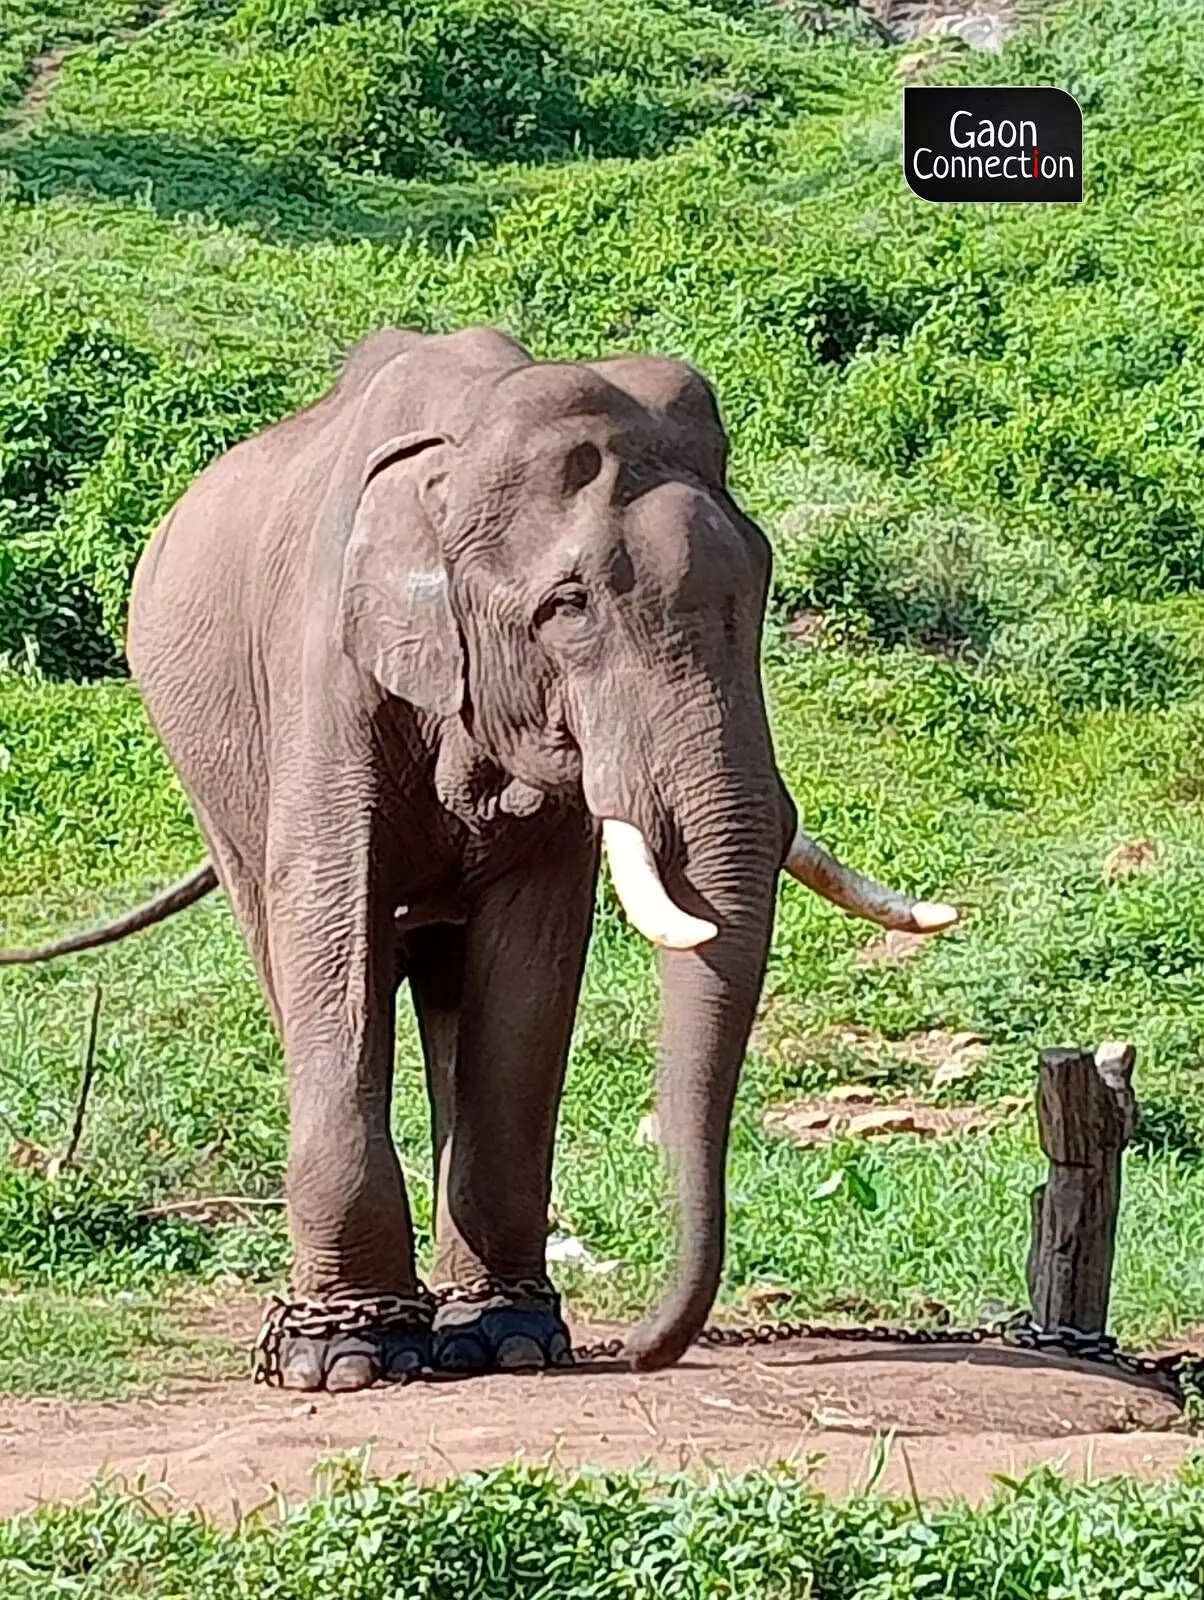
x: 59, y: 397
x: 70, y: 1230
x: 97, y: 438
x: 60, y: 401
x: 32, y: 27
x: 409, y: 90
x: 1021, y: 387
x: 1103, y: 657
x: 169, y: 429
x: 50, y: 621
x: 891, y: 576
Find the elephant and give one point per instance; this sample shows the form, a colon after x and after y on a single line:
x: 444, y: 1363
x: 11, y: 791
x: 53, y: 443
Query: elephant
x: 421, y: 655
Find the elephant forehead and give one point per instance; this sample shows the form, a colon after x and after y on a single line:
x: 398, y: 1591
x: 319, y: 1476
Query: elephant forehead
x: 547, y: 390
x: 593, y: 455
x: 535, y: 410
x: 673, y: 544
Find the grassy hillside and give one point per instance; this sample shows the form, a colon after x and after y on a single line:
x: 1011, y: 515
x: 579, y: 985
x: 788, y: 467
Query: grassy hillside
x: 974, y: 434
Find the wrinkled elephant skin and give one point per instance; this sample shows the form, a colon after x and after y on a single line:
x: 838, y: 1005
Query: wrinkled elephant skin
x: 415, y: 653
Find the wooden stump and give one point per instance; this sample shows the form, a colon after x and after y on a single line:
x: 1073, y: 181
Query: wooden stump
x: 1086, y: 1112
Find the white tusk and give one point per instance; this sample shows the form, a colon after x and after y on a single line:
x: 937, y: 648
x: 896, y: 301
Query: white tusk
x: 811, y: 864
x: 643, y: 895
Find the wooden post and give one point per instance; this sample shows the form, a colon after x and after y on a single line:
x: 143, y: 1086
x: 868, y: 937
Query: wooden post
x: 1086, y: 1113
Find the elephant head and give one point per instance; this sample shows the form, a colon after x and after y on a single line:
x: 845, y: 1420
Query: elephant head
x: 556, y: 559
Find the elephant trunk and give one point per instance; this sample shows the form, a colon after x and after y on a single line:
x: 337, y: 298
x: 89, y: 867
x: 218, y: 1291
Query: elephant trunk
x: 730, y: 834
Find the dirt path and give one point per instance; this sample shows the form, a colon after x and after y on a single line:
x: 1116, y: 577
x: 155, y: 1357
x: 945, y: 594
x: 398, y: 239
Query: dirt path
x: 983, y: 24
x: 960, y: 1416
x: 45, y: 68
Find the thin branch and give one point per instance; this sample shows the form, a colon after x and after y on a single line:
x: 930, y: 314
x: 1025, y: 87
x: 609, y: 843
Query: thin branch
x: 85, y: 1084
x: 11, y: 1129
x: 211, y: 1202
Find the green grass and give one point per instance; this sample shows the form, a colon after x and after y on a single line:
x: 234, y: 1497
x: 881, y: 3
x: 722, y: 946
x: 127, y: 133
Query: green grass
x: 1051, y: 952
x: 106, y: 1348
x: 32, y: 29
x: 526, y: 1534
x: 972, y: 432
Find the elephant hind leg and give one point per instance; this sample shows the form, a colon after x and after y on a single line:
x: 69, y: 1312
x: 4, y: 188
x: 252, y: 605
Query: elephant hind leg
x: 433, y: 960
x: 243, y: 886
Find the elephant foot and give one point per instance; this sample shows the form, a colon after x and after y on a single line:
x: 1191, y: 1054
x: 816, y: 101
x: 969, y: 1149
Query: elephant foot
x: 500, y: 1326
x: 346, y: 1344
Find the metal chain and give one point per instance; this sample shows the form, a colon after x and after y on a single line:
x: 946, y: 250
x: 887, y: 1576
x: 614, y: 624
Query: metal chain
x: 378, y: 1314
x: 307, y: 1319
x: 718, y: 1337
x: 487, y: 1286
x: 375, y: 1314
x: 1181, y: 1367
x: 1017, y: 1332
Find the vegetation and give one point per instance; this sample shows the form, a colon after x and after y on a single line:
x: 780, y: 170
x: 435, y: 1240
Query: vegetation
x: 526, y: 1535
x: 974, y: 434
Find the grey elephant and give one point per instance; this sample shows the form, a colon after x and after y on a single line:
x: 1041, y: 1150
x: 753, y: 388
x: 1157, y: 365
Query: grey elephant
x: 419, y: 655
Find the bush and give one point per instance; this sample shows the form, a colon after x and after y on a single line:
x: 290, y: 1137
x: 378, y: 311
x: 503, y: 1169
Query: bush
x: 50, y: 621
x: 97, y: 438
x: 409, y: 90
x: 1105, y: 657
x: 1115, y: 476
x: 70, y: 1230
x: 1022, y: 387
x: 59, y: 398
x: 60, y: 401
x: 890, y: 575
x: 32, y: 27
x: 169, y: 429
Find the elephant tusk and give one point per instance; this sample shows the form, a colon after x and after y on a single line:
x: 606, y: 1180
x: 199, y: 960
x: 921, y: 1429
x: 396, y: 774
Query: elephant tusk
x: 811, y: 864
x: 643, y: 895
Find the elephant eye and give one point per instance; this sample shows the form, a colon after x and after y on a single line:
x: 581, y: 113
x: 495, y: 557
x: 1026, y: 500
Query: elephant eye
x: 570, y: 600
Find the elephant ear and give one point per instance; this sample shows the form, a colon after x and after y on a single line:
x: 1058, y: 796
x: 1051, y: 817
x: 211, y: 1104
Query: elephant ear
x: 397, y: 619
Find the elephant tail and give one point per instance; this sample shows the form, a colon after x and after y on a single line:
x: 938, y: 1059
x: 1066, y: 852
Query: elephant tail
x: 184, y: 892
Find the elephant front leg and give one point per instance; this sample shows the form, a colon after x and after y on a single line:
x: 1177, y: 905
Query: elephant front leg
x: 496, y: 1004
x: 359, y: 1313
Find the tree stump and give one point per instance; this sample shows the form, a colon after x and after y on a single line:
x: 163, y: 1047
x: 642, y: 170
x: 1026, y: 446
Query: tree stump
x: 1086, y: 1112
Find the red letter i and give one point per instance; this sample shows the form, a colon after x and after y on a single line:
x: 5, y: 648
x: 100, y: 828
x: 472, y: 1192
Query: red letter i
x: 1034, y: 161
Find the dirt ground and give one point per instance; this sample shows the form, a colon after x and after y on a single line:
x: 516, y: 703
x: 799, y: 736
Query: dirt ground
x: 958, y: 1414
x: 982, y: 24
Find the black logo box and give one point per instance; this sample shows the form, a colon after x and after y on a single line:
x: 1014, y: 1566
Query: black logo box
x: 993, y: 143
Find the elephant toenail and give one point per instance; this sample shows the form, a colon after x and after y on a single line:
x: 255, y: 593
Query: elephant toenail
x: 519, y: 1350
x: 302, y: 1366
x: 559, y: 1352
x: 464, y: 1354
x: 350, y: 1372
x: 402, y: 1364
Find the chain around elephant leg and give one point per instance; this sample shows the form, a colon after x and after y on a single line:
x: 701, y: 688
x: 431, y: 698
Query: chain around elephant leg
x: 346, y: 1343
x: 499, y: 1324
